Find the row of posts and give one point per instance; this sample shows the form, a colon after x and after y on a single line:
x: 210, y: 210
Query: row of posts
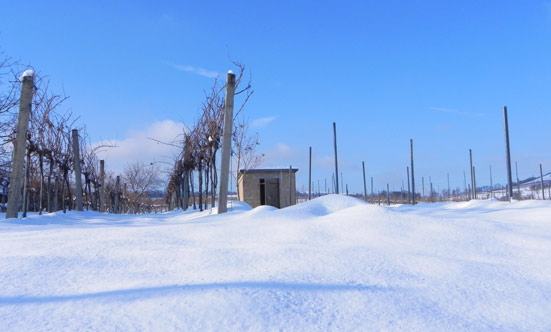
x: 411, y: 191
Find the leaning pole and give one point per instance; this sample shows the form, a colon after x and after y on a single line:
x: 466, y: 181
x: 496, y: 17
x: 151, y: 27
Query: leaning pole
x: 508, y: 155
x: 16, y: 177
x: 226, y: 143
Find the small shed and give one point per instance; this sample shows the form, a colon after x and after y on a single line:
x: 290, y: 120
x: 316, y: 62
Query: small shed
x: 274, y: 186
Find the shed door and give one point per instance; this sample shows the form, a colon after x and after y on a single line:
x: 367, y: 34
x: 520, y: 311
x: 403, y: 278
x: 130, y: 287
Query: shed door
x: 272, y: 192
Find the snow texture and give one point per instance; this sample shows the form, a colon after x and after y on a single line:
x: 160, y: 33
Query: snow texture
x: 26, y: 73
x: 331, y: 264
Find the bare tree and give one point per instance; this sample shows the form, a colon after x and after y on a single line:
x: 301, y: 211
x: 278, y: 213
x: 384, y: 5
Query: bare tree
x: 245, y: 154
x: 140, y: 179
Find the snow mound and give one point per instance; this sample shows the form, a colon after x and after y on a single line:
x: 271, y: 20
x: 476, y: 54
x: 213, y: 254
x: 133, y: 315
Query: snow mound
x: 323, y: 206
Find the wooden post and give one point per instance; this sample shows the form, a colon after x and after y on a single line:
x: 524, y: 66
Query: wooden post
x: 117, y: 194
x: 409, y: 188
x: 336, y: 162
x: 541, y: 179
x: 76, y: 164
x: 387, y: 194
x: 16, y: 176
x: 310, y: 176
x: 365, y: 188
x: 508, y: 155
x: 412, y: 173
x: 226, y: 143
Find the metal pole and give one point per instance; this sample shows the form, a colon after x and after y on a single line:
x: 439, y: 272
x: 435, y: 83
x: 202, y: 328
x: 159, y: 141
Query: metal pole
x: 16, y: 176
x: 226, y: 143
x: 336, y: 162
x: 310, y: 176
x: 365, y: 187
x: 76, y: 164
x: 508, y: 155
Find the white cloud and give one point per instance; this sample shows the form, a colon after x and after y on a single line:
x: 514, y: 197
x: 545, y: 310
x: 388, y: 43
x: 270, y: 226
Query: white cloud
x: 198, y: 71
x: 281, y: 156
x: 138, y: 146
x: 262, y: 122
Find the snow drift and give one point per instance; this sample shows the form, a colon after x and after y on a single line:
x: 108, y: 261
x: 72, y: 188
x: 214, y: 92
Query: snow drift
x: 332, y: 264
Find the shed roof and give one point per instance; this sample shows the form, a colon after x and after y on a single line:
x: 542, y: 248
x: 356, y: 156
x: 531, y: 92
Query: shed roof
x: 267, y: 170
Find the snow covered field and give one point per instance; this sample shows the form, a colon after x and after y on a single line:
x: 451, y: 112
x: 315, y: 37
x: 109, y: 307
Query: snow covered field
x: 331, y: 264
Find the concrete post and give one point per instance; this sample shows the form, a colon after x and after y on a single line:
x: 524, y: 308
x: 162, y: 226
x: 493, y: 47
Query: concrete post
x: 102, y: 198
x: 473, y: 187
x: 371, y: 186
x: 310, y: 176
x: 16, y: 176
x: 412, y: 174
x: 226, y: 143
x: 336, y: 160
x: 508, y: 155
x: 365, y: 187
x: 76, y: 163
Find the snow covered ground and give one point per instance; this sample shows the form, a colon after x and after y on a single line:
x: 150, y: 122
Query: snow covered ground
x: 331, y: 264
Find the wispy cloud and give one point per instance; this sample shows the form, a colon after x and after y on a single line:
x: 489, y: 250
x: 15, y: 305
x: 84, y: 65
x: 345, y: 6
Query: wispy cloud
x: 197, y: 71
x: 453, y: 111
x: 262, y: 122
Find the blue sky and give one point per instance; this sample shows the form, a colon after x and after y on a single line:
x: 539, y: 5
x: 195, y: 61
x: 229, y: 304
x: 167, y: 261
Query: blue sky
x: 438, y: 72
